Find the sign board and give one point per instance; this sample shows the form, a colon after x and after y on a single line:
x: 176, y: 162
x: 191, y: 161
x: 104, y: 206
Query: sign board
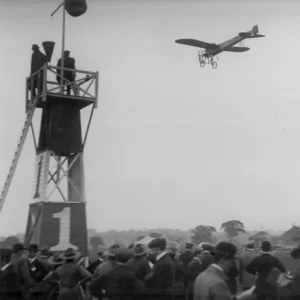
x: 41, y: 176
x: 61, y: 225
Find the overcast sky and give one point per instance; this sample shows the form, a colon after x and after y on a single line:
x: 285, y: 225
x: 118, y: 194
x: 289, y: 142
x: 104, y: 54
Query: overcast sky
x: 171, y: 144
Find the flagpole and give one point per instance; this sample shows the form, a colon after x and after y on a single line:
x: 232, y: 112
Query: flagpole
x: 63, y: 47
x: 63, y: 4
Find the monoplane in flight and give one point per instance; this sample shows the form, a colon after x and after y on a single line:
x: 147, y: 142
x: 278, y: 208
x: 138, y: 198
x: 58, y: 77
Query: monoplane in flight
x: 211, y: 50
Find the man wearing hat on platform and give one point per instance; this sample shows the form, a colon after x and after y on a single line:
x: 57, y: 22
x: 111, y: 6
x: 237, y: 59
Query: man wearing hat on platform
x: 93, y: 266
x: 212, y: 283
x: 70, y: 276
x: 139, y: 262
x: 69, y: 63
x: 246, y: 279
x: 263, y: 265
x: 38, y: 59
x: 162, y: 277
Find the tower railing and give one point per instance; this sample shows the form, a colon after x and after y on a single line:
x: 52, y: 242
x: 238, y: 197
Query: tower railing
x: 47, y: 83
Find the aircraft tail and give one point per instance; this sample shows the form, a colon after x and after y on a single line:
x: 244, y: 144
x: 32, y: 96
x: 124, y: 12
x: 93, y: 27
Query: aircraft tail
x: 251, y: 34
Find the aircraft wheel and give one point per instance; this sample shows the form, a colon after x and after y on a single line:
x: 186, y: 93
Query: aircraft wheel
x: 214, y: 65
x: 202, y: 63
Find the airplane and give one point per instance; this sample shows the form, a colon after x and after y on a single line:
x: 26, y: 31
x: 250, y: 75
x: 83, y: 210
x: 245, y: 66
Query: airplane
x: 211, y: 50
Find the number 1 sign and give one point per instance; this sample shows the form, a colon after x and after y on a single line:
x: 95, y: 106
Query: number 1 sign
x: 62, y: 226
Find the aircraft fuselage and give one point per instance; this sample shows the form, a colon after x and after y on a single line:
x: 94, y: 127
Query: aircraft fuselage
x: 220, y: 48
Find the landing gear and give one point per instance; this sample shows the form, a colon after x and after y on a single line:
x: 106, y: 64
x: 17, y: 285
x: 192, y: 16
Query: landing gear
x: 205, y: 59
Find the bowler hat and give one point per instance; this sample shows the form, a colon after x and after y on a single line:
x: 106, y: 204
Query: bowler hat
x: 33, y: 248
x: 226, y: 250
x: 56, y: 259
x: 35, y: 46
x: 123, y: 255
x: 158, y: 243
x: 139, y: 250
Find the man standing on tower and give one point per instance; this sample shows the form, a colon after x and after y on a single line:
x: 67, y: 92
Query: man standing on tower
x: 69, y: 63
x: 38, y: 59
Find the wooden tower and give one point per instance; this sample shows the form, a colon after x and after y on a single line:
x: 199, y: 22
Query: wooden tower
x: 57, y: 214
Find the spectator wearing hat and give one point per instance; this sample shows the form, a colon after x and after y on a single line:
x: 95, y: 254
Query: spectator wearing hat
x: 246, y: 279
x: 70, y: 276
x: 194, y: 269
x: 186, y: 257
x: 69, y: 63
x: 38, y: 59
x: 207, y: 257
x: 55, y: 261
x: 44, y: 256
x: 263, y: 265
x: 109, y: 261
x: 213, y: 282
x: 37, y: 271
x: 93, y: 265
x: 162, y: 277
x: 139, y: 262
x: 15, y: 278
x: 119, y: 282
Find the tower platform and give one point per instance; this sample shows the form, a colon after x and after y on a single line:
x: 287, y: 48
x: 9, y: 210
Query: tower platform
x: 84, y: 89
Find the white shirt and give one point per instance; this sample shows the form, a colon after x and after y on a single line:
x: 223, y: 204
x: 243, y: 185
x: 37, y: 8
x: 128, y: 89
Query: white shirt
x: 159, y: 256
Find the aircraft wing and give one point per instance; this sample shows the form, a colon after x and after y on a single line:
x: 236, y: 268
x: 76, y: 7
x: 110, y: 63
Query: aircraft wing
x: 236, y: 49
x: 196, y: 43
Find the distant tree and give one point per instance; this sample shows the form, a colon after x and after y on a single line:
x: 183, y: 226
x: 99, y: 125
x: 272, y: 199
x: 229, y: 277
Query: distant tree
x: 233, y: 228
x: 155, y: 235
x: 10, y: 241
x: 96, y: 241
x: 202, y: 233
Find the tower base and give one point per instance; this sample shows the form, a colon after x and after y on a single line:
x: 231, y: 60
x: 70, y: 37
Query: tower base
x: 57, y: 225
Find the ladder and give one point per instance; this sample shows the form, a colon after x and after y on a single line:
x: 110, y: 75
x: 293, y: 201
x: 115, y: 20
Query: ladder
x: 13, y: 166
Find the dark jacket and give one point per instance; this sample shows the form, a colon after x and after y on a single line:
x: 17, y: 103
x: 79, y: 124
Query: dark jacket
x: 93, y: 265
x: 246, y: 279
x: 207, y: 259
x: 38, y: 59
x: 118, y: 283
x: 162, y: 278
x: 262, y: 266
x: 141, y: 266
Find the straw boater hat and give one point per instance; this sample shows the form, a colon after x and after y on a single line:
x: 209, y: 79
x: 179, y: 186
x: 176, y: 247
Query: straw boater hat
x: 45, y: 252
x: 56, y: 259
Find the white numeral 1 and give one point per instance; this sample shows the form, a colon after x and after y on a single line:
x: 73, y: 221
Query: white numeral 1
x: 64, y: 230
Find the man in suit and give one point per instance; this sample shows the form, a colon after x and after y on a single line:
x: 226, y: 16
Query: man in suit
x: 37, y: 271
x: 263, y: 266
x: 212, y: 284
x: 139, y: 262
x: 186, y: 257
x: 69, y: 63
x: 93, y: 266
x: 38, y: 59
x: 246, y: 279
x: 162, y: 277
x: 194, y: 269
